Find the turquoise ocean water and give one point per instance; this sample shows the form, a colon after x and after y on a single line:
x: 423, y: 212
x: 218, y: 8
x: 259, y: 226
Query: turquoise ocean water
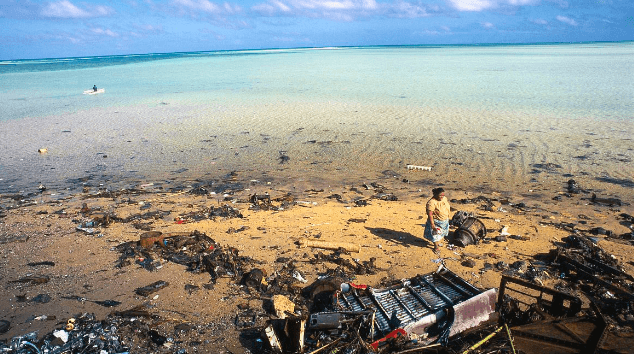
x: 559, y: 79
x: 360, y: 103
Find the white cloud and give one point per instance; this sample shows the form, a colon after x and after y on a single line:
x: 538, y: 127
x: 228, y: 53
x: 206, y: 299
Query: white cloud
x: 339, y: 16
x: 562, y: 3
x: 105, y: 32
x: 102, y: 10
x: 333, y: 4
x: 344, y: 10
x: 488, y: 25
x: 370, y: 5
x: 205, y: 7
x: 444, y: 30
x: 232, y: 9
x: 473, y: 5
x: 66, y: 9
x: 281, y: 6
x: 539, y: 21
x: 405, y: 9
x: 152, y: 28
x: 198, y: 5
x: 567, y: 20
x: 303, y: 6
x: 521, y: 2
x: 481, y: 5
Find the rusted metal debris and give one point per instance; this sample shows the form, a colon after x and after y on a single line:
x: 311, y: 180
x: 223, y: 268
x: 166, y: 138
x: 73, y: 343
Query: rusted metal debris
x: 347, y: 266
x: 224, y: 211
x: 196, y: 250
x: 547, y: 320
x: 528, y: 317
x: 347, y: 246
x: 553, y: 321
x: 359, y: 319
x: 433, y: 313
x: 470, y: 230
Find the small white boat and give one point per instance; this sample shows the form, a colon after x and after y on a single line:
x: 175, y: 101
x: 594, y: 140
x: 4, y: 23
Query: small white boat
x: 93, y: 92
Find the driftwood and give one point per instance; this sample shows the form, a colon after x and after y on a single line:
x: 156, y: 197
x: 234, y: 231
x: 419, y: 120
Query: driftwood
x: 350, y: 247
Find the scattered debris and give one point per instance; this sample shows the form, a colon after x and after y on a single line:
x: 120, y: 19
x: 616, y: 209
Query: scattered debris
x: 152, y: 288
x: 605, y: 201
x: 32, y: 280
x: 360, y: 319
x: 349, y: 247
x: 470, y: 229
x: 420, y: 168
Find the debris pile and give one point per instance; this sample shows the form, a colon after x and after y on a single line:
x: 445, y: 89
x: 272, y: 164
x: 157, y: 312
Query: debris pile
x: 196, y: 250
x: 83, y: 334
x: 587, y: 306
x: 553, y: 320
x: 413, y: 313
x: 225, y: 211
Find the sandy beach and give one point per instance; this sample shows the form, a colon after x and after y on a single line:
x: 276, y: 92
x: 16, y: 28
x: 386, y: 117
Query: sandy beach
x: 81, y: 263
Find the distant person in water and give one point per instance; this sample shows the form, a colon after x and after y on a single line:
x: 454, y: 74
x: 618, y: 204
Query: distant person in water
x: 94, y: 88
x: 437, y: 210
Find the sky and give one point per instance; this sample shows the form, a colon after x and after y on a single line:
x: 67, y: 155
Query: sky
x: 74, y: 28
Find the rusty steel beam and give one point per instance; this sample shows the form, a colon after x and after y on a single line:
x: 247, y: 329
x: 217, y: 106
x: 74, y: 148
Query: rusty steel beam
x: 557, y: 304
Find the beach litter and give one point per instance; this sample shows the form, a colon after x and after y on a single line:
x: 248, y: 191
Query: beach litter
x: 419, y: 168
x: 334, y: 314
x: 438, y: 311
x: 470, y: 230
x: 349, y: 247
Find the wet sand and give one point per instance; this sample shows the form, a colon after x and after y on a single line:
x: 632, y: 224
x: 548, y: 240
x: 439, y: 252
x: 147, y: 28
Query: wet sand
x: 319, y: 145
x: 522, y: 168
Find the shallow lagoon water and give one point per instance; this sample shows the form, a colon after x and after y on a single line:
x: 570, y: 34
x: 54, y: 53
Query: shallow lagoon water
x: 507, y: 118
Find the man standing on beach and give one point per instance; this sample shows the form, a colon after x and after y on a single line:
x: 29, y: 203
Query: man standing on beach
x: 437, y: 225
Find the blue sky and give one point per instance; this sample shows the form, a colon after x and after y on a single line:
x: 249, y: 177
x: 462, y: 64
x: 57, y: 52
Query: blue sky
x: 69, y: 28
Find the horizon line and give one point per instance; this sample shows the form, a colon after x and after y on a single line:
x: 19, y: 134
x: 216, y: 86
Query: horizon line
x: 325, y: 48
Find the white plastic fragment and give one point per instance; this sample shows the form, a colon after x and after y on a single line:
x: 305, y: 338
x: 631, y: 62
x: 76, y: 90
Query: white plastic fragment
x: 61, y: 334
x: 420, y: 168
x: 297, y: 275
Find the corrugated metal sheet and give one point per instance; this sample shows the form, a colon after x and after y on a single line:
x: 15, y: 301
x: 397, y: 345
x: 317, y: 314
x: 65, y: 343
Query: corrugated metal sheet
x: 420, y: 301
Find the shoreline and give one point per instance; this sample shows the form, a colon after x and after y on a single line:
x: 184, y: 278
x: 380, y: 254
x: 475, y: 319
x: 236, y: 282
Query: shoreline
x: 332, y: 145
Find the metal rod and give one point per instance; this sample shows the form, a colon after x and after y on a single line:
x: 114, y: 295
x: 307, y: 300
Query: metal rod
x: 343, y: 296
x: 437, y: 291
x: 356, y: 297
x: 484, y: 340
x: 455, y: 286
x: 379, y: 306
x: 508, y: 332
x: 326, y: 346
x: 414, y: 350
x: 455, y: 279
x: 404, y: 305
